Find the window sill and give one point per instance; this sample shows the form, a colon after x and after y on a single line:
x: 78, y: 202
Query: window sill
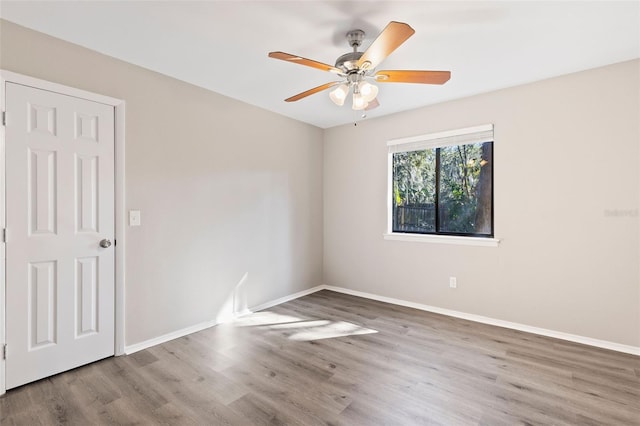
x: 443, y: 239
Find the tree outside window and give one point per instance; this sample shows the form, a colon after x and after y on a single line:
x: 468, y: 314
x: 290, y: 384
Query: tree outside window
x: 444, y: 190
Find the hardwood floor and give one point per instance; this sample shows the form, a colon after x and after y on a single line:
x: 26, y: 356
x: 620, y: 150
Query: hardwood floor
x: 330, y: 358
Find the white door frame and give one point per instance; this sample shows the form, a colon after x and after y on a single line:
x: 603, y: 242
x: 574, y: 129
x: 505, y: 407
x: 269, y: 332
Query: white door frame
x: 119, y: 106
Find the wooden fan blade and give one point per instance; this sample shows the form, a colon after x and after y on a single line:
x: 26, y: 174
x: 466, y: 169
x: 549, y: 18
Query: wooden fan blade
x: 404, y: 76
x: 373, y: 104
x: 304, y: 61
x: 312, y: 91
x: 389, y: 39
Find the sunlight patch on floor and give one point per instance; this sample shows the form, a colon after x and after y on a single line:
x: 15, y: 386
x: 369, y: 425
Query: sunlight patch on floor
x: 322, y: 329
x: 298, y: 329
x: 265, y: 318
x: 299, y: 324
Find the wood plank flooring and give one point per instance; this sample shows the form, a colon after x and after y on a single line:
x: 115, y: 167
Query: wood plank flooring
x: 334, y: 359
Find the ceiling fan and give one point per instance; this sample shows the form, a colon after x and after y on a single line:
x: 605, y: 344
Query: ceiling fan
x: 358, y: 68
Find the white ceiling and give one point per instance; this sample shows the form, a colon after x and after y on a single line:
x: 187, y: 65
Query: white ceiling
x: 223, y: 45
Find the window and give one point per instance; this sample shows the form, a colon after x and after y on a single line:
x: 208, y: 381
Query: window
x: 443, y: 183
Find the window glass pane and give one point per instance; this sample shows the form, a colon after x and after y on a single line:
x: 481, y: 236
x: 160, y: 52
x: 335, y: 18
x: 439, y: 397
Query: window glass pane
x: 465, y: 189
x: 414, y: 182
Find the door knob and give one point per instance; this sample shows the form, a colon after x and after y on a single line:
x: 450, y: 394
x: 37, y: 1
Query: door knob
x: 105, y: 243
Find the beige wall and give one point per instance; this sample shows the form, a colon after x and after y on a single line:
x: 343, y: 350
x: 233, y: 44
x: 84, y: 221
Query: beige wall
x: 225, y: 188
x: 566, y: 156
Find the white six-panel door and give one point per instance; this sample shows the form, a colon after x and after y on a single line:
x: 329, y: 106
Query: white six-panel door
x: 59, y: 207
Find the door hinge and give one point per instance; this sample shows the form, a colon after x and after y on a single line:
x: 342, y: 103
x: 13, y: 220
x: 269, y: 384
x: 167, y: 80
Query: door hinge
x: 4, y: 351
x: 4, y: 235
x: 4, y: 118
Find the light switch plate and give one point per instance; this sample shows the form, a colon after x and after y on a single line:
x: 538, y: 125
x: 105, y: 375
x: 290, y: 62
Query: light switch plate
x: 134, y: 217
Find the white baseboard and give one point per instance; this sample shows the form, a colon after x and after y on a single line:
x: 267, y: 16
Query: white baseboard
x: 128, y: 350
x: 457, y: 314
x: 605, y: 344
x: 293, y: 296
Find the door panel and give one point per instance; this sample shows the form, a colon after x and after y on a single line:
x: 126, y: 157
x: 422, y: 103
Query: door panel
x: 86, y: 296
x: 41, y: 304
x: 60, y: 205
x: 42, y: 185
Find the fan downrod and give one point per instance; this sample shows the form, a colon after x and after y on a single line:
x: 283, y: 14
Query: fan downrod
x: 347, y: 62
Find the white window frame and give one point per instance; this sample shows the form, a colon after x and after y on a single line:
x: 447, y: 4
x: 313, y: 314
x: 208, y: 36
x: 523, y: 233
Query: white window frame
x: 434, y: 140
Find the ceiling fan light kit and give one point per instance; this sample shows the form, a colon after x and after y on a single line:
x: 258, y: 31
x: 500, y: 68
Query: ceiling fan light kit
x: 357, y: 67
x: 363, y: 93
x: 358, y: 102
x: 339, y: 95
x: 368, y: 90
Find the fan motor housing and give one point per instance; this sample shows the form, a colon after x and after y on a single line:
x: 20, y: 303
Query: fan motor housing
x: 348, y: 61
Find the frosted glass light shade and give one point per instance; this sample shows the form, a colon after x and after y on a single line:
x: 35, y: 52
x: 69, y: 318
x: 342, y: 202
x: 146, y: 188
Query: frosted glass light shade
x: 339, y: 95
x: 368, y: 91
x: 359, y: 102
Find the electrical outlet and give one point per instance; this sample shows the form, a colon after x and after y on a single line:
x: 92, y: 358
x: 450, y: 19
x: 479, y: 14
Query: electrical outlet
x: 453, y: 282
